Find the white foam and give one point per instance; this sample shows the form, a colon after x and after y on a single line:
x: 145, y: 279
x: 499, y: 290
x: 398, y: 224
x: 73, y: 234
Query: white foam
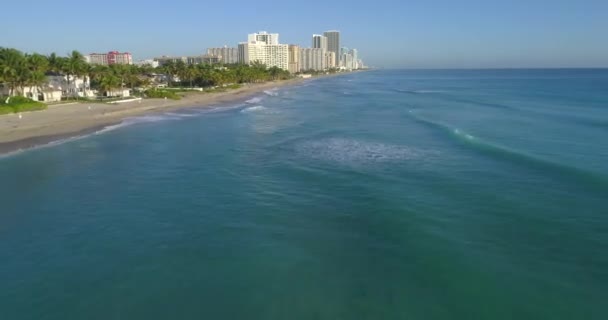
x: 253, y: 109
x: 143, y: 119
x: 124, y: 123
x: 351, y: 151
x: 254, y: 100
x: 181, y: 115
x: 463, y: 134
x: 272, y: 93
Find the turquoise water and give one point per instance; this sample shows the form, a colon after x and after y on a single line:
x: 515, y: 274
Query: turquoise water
x: 377, y: 195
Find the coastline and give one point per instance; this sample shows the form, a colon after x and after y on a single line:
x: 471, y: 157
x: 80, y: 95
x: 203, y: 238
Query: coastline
x: 61, y: 122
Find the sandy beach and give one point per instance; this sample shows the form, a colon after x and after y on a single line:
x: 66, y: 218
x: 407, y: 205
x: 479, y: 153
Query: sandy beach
x: 69, y: 120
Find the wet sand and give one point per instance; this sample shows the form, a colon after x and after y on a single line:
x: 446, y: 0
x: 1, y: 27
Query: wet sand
x: 69, y: 120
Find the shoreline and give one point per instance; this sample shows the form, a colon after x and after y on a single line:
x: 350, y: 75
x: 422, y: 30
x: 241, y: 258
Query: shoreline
x: 62, y: 122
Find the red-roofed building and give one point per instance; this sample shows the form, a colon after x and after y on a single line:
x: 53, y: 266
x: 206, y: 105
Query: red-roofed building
x: 112, y: 57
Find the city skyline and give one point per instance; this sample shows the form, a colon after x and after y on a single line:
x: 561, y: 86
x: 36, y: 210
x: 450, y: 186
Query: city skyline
x: 443, y: 34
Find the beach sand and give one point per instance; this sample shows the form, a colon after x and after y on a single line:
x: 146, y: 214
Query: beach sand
x: 69, y: 120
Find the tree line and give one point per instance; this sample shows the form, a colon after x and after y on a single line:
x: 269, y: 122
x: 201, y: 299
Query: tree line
x: 19, y: 70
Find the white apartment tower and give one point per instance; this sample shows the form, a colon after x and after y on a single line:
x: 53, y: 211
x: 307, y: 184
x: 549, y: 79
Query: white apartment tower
x: 264, y: 48
x: 312, y: 59
x: 355, y: 59
x: 226, y: 54
x: 263, y: 36
x: 330, y: 60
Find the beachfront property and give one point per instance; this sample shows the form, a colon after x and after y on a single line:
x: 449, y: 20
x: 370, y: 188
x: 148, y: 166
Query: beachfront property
x: 264, y: 48
x: 312, y: 59
x: 294, y: 58
x: 349, y: 59
x: 147, y: 62
x: 333, y: 43
x: 110, y: 58
x: 319, y: 41
x: 55, y: 87
x: 118, y: 93
x: 330, y: 60
x: 264, y: 37
x: 225, y: 54
x: 43, y: 94
x: 71, y: 86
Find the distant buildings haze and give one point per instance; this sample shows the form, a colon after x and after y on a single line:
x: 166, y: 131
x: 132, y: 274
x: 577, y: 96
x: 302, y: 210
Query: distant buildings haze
x: 265, y: 48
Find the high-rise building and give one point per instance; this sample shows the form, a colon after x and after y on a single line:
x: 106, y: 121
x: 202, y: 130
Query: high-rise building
x: 112, y: 57
x: 294, y: 58
x: 330, y: 59
x: 355, y: 59
x: 346, y: 61
x: 225, y: 54
x: 265, y: 37
x: 319, y: 41
x: 333, y: 43
x: 264, y: 48
x: 312, y: 59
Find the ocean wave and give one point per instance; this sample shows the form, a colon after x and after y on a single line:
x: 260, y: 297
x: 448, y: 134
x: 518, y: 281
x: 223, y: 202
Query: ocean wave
x: 502, y: 153
x: 352, y: 151
x: 135, y: 120
x: 182, y: 115
x: 255, y: 100
x: 253, y: 109
x: 272, y: 93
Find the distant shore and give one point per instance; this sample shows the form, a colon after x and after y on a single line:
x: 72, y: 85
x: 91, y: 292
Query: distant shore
x: 64, y: 121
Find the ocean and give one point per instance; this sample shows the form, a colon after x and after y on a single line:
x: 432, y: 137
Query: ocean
x: 388, y: 194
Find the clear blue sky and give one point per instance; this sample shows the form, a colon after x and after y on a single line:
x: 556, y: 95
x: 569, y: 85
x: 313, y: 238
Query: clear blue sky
x: 413, y: 34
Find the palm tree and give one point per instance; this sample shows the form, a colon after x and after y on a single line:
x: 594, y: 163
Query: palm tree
x: 55, y: 62
x: 274, y: 72
x: 74, y: 66
x: 170, y: 69
x: 187, y: 73
x: 109, y: 82
x: 38, y: 65
x: 12, y: 63
x: 180, y: 69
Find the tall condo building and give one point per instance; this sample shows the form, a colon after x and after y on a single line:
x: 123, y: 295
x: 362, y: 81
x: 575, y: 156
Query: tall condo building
x: 294, y: 58
x: 319, y: 41
x: 346, y: 58
x: 355, y: 63
x: 264, y: 48
x: 312, y: 59
x: 112, y: 57
x: 333, y: 43
x: 263, y: 36
x: 330, y: 60
x: 225, y: 54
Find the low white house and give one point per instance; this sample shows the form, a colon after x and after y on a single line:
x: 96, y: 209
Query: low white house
x: 75, y: 87
x: 124, y: 93
x: 44, y: 94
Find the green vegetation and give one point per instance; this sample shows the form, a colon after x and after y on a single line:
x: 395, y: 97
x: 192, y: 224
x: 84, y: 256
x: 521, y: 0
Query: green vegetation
x: 316, y: 72
x: 19, y: 104
x: 22, y: 73
x: 205, y: 75
x: 158, y: 93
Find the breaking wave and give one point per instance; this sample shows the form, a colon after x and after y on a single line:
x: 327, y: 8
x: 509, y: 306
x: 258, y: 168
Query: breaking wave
x: 253, y: 109
x: 255, y: 100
